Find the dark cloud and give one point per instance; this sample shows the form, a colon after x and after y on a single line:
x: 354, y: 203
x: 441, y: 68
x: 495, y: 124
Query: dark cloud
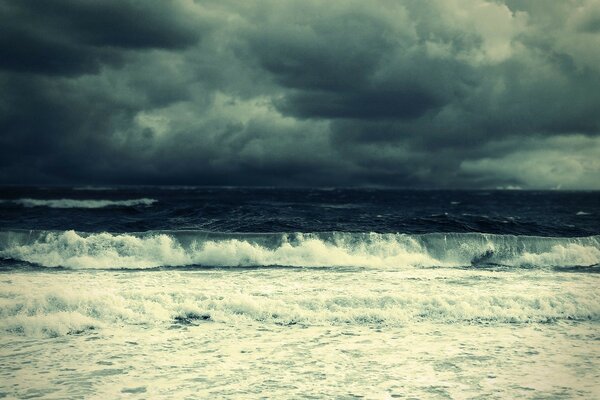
x: 464, y: 93
x: 24, y: 51
x: 118, y: 23
x: 67, y: 37
x: 373, y: 103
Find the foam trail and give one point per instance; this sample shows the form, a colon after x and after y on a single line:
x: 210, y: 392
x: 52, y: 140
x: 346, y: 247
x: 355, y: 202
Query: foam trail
x: 75, y: 203
x: 32, y: 307
x: 335, y: 249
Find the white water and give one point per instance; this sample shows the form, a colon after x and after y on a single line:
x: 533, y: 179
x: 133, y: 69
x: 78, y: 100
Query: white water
x: 351, y: 315
x: 76, y: 203
x: 32, y: 309
x: 368, y: 250
x: 299, y: 333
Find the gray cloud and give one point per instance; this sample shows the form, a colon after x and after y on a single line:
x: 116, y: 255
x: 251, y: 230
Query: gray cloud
x: 464, y: 93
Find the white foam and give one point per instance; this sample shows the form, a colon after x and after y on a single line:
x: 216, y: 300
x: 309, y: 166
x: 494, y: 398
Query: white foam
x: 567, y: 254
x: 53, y: 324
x: 51, y: 305
x: 313, y: 252
x: 102, y: 250
x: 75, y: 203
x: 105, y: 250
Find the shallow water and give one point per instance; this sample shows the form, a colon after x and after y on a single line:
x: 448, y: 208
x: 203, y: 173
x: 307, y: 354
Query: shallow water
x: 231, y: 313
x: 301, y: 333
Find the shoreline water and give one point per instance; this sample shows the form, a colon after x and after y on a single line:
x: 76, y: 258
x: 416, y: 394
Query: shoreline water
x: 303, y: 333
x: 290, y: 294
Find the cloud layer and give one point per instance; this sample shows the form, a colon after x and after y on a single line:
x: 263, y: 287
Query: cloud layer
x: 447, y: 94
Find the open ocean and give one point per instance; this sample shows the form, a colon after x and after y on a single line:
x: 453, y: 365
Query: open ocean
x: 184, y: 292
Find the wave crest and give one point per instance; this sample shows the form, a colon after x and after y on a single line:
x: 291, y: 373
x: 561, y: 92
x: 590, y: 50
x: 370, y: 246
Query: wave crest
x: 71, y: 249
x: 76, y: 203
x: 53, y: 311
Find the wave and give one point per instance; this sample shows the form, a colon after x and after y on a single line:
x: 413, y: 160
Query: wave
x: 75, y: 203
x: 94, y: 188
x: 70, y: 249
x: 51, y: 310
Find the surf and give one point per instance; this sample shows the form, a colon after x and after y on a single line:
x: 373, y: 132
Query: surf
x: 77, y: 203
x: 154, y: 249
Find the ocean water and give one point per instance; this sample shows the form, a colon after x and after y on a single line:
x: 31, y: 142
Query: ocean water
x: 184, y: 292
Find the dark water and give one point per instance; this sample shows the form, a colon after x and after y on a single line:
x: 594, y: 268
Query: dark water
x: 548, y: 213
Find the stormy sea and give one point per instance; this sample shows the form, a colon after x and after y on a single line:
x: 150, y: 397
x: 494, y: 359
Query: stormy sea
x: 187, y: 292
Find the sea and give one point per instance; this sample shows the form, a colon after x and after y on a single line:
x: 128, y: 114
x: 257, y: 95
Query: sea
x: 298, y: 293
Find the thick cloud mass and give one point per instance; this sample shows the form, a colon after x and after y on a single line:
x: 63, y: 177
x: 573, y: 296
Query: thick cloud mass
x: 446, y: 94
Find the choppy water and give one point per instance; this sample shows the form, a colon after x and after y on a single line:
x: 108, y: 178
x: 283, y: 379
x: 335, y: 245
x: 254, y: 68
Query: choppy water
x: 249, y: 293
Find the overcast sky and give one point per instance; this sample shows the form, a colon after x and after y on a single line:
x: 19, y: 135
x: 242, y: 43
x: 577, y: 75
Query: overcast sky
x: 423, y: 94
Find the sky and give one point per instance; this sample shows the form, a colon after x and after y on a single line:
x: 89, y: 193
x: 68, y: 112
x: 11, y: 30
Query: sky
x: 419, y: 94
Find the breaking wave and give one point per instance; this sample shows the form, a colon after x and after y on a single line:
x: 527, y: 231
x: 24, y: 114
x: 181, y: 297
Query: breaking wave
x: 51, y: 310
x: 154, y: 249
x: 75, y: 203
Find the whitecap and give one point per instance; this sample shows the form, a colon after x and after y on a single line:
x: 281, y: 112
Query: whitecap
x: 77, y: 203
x: 335, y: 249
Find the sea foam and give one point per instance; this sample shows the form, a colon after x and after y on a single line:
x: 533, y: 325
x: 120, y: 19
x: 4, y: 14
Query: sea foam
x: 36, y: 305
x: 71, y: 249
x: 76, y: 203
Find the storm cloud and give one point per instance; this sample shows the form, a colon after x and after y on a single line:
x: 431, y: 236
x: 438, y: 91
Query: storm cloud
x: 424, y: 94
